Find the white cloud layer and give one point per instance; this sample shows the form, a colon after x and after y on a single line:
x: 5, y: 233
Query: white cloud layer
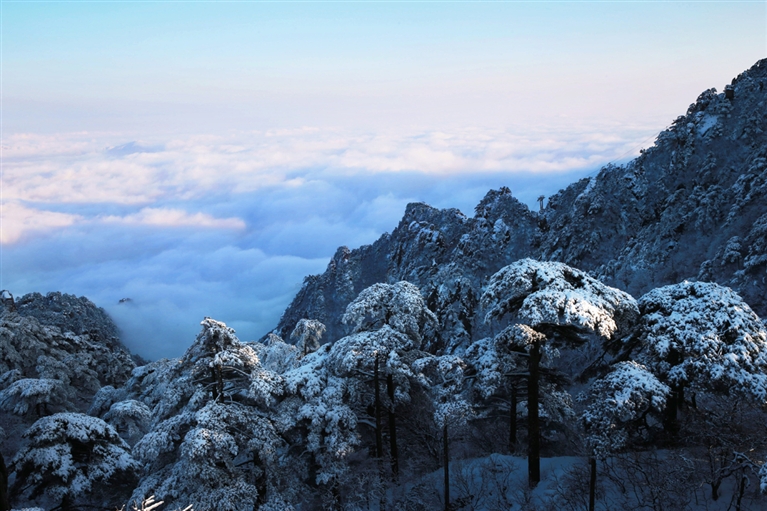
x: 170, y: 217
x: 19, y: 221
x: 228, y: 226
x: 81, y: 168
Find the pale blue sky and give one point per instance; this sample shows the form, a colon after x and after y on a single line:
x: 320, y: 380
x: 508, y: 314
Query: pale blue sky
x: 202, y: 157
x: 74, y: 66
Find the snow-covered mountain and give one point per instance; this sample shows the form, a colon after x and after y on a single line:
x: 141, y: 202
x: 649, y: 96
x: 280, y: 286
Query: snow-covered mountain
x: 56, y: 353
x: 453, y: 349
x: 693, y: 206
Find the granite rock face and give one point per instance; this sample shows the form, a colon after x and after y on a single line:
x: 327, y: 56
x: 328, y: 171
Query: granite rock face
x: 691, y: 207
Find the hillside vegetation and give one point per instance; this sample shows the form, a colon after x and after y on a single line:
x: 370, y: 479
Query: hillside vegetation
x: 605, y: 352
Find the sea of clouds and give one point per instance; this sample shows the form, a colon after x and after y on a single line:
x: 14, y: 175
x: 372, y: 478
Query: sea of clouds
x: 227, y: 226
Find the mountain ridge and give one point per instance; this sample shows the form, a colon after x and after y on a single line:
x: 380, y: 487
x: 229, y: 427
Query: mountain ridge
x: 236, y: 425
x: 691, y: 207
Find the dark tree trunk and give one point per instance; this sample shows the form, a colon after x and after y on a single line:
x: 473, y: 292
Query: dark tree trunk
x: 592, y: 482
x: 5, y: 500
x: 676, y: 399
x: 392, y: 428
x: 680, y: 397
x: 379, y: 437
x: 670, y: 423
x: 533, y: 419
x: 513, y: 420
x: 66, y: 503
x: 259, y: 482
x: 220, y: 381
x: 215, y: 387
x: 336, y: 496
x: 715, y: 489
x: 447, y: 467
x: 741, y: 491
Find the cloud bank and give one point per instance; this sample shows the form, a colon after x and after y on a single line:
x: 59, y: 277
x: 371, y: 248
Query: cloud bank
x: 228, y: 226
x: 169, y: 217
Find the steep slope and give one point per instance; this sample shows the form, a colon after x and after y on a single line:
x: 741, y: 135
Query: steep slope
x: 690, y: 207
x: 56, y: 352
x: 71, y: 314
x: 68, y: 330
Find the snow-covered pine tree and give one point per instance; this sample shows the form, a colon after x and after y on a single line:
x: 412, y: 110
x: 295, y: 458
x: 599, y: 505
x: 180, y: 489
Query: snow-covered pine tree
x: 399, y: 305
x: 622, y: 405
x: 443, y: 377
x: 371, y: 359
x: 550, y: 304
x: 701, y: 337
x: 212, y: 442
x: 500, y: 373
x: 71, y: 455
x: 276, y: 355
x: 704, y: 342
x: 315, y: 415
x: 389, y: 324
x: 307, y: 335
x: 130, y: 418
x: 41, y: 395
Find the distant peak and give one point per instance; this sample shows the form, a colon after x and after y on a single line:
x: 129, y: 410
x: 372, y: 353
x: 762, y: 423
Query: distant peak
x: 494, y: 200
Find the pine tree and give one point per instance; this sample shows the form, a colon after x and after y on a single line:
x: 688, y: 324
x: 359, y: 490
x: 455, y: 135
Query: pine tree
x: 551, y: 304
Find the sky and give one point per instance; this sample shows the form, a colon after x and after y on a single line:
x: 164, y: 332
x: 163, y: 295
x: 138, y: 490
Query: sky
x: 201, y: 158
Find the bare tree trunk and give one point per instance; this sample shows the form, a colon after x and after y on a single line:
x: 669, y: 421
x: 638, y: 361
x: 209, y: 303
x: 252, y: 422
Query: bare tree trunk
x: 379, y: 437
x: 66, y: 503
x: 592, y: 482
x: 715, y: 489
x: 741, y: 491
x: 513, y: 420
x: 219, y: 382
x: 392, y: 428
x: 5, y: 504
x: 676, y: 399
x: 680, y: 397
x: 215, y: 387
x: 336, y: 496
x: 672, y: 407
x: 533, y: 419
x: 447, y: 467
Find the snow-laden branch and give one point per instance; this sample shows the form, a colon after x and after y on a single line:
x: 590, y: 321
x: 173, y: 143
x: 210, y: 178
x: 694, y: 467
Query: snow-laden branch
x: 539, y: 293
